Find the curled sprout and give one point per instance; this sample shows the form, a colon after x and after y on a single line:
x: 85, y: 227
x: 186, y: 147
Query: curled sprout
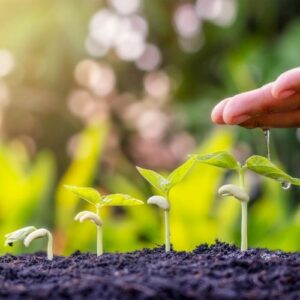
x: 27, y: 235
x: 88, y: 216
x: 235, y: 191
x: 164, y: 204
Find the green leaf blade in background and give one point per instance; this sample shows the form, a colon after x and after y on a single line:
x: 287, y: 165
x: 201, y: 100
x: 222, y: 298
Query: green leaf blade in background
x: 86, y: 193
x: 120, y: 200
x: 178, y: 174
x: 155, y: 179
x: 262, y: 166
x: 221, y: 159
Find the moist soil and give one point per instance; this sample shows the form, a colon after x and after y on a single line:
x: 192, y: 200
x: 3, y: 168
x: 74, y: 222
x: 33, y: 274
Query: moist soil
x: 219, y: 271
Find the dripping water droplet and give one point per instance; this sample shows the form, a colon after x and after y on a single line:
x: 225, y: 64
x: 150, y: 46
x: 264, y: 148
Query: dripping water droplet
x: 267, y: 140
x: 285, y: 185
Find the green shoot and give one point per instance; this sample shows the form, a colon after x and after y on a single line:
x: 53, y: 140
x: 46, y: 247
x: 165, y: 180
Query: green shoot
x: 225, y: 160
x: 93, y: 197
x: 164, y: 185
x: 27, y: 235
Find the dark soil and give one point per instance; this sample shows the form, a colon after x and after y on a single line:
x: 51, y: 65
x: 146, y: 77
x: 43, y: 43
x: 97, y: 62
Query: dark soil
x: 219, y: 271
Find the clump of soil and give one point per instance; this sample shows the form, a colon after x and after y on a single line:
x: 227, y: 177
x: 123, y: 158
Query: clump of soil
x: 219, y: 271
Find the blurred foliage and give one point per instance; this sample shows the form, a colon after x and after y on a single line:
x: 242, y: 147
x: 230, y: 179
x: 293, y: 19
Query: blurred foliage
x: 153, y: 118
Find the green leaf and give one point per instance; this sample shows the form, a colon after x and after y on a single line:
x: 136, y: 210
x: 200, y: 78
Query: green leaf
x: 119, y: 200
x: 158, y: 181
x: 261, y: 165
x: 86, y: 193
x: 178, y: 174
x: 221, y: 159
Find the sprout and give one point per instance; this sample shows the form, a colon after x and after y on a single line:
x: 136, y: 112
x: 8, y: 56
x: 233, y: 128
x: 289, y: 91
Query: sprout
x: 27, y: 235
x: 258, y: 164
x: 94, y: 197
x: 164, y: 185
x: 225, y: 160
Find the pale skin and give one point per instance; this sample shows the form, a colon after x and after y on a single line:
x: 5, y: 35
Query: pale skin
x: 274, y: 105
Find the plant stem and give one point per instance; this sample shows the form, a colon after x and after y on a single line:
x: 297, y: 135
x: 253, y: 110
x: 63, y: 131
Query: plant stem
x: 244, y: 221
x: 50, y: 246
x: 99, y: 235
x: 244, y: 242
x: 167, y: 231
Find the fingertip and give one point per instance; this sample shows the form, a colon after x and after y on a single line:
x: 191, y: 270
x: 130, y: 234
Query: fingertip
x: 231, y: 115
x: 286, y: 84
x: 217, y: 112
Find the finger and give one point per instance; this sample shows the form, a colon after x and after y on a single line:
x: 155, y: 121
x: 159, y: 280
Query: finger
x: 217, y: 112
x: 275, y: 120
x: 255, y: 103
x: 287, y: 84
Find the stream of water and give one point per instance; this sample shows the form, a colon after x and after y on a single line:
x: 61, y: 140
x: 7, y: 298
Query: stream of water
x: 285, y: 185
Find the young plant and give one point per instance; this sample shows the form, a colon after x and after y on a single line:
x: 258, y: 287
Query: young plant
x: 98, y: 201
x: 258, y: 164
x: 164, y: 185
x: 225, y: 160
x: 27, y: 235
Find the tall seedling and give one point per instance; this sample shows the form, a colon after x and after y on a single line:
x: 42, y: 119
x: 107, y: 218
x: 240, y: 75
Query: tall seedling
x: 258, y: 164
x: 225, y: 160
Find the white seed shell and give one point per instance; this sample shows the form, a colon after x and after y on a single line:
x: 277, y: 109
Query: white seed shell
x: 235, y: 191
x: 160, y: 201
x: 88, y: 216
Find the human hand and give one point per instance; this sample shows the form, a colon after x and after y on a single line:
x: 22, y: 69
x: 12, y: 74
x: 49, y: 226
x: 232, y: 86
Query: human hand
x: 275, y: 105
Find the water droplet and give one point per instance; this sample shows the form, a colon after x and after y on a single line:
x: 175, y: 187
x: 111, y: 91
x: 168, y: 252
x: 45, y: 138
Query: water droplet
x: 267, y: 140
x: 285, y: 185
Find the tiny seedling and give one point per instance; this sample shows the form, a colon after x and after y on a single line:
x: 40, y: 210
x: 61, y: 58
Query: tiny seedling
x: 258, y: 164
x: 27, y: 235
x: 98, y: 201
x: 164, y: 185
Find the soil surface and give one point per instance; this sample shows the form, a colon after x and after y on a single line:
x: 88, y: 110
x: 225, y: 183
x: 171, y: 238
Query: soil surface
x: 219, y: 271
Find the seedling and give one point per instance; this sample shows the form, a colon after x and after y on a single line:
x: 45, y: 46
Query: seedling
x: 27, y: 235
x: 98, y: 201
x: 164, y: 185
x: 227, y: 161
x: 257, y: 164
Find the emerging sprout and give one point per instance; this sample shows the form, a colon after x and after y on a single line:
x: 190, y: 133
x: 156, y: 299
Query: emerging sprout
x: 164, y: 185
x: 27, y: 235
x: 94, y: 197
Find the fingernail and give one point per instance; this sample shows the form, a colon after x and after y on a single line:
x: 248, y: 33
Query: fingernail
x: 286, y: 94
x: 241, y: 119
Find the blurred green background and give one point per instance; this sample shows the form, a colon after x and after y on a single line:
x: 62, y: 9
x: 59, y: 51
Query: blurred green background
x: 90, y: 88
